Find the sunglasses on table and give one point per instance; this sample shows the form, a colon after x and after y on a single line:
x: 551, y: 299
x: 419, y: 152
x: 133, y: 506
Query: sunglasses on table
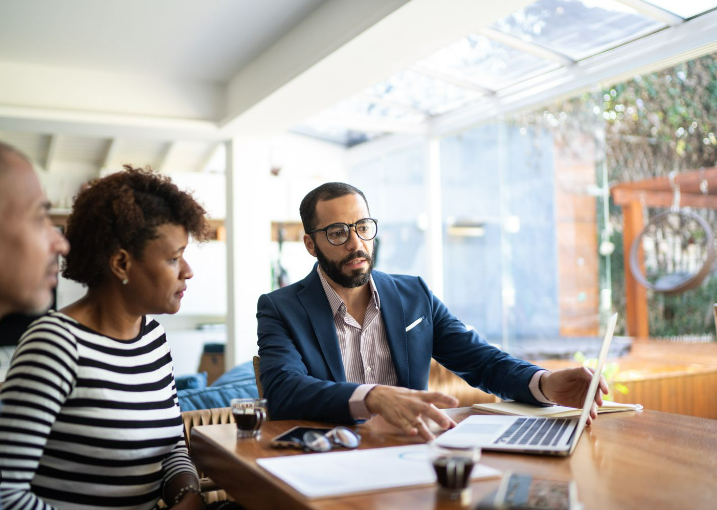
x: 315, y: 441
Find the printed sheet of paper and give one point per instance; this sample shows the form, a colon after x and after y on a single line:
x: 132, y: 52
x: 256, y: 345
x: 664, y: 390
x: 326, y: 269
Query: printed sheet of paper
x: 321, y: 475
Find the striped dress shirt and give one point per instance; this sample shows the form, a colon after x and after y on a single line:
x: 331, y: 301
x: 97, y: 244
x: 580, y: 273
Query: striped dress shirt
x: 364, y: 347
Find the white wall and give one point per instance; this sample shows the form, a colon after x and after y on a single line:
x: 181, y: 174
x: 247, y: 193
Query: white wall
x: 206, y: 188
x: 257, y: 199
x: 63, y: 182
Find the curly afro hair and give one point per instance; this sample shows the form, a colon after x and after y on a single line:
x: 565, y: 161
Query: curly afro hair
x: 123, y: 210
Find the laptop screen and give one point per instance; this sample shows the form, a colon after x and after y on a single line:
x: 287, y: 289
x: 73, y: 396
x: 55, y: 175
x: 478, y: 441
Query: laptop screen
x: 590, y: 395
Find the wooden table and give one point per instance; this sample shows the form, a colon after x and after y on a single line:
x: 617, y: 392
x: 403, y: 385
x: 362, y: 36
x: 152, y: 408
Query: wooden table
x: 635, y: 460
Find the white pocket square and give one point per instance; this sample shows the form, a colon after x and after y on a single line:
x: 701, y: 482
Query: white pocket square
x: 414, y: 324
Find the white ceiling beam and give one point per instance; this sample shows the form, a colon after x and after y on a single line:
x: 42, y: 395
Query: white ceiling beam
x: 110, y: 153
x: 653, y: 11
x: 373, y: 98
x: 161, y: 163
x: 525, y: 46
x: 43, y: 120
x: 359, y: 122
x: 80, y: 90
x: 38, y: 98
x: 52, y: 142
x: 361, y: 54
x: 81, y: 100
x: 332, y: 25
x: 208, y: 156
x: 463, y: 84
x: 378, y: 147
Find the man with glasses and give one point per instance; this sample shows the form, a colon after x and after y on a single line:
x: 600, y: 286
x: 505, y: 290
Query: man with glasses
x: 347, y: 343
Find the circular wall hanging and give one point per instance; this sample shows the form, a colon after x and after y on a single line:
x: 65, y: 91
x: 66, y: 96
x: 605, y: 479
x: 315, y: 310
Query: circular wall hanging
x: 678, y: 251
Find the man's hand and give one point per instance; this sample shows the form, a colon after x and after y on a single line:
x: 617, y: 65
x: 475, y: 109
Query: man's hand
x: 408, y: 409
x: 568, y: 387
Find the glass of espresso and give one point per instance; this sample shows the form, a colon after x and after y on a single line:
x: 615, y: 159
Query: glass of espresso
x: 249, y: 414
x: 453, y: 467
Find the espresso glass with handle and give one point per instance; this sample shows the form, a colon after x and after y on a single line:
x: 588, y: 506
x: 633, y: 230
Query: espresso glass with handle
x: 453, y: 467
x: 249, y: 415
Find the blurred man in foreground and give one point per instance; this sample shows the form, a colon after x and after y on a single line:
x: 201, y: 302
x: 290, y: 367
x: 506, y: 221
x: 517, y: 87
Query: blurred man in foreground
x: 29, y: 244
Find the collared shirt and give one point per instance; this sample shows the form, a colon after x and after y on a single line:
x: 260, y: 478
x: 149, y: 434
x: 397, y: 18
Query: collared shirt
x: 365, y: 353
x: 364, y: 347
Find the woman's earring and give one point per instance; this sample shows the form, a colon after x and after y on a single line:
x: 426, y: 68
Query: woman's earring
x: 125, y: 281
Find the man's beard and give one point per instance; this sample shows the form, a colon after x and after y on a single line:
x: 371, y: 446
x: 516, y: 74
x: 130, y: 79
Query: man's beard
x: 357, y: 278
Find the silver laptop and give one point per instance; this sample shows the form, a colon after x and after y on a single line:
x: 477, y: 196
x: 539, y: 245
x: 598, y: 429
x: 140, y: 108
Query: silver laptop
x: 524, y: 434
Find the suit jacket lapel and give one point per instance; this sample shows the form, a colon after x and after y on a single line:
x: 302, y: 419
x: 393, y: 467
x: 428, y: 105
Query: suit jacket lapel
x: 394, y: 323
x: 314, y: 300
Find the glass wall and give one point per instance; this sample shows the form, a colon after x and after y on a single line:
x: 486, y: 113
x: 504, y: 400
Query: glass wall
x: 532, y: 242
x: 394, y: 187
x: 519, y: 225
x: 500, y: 251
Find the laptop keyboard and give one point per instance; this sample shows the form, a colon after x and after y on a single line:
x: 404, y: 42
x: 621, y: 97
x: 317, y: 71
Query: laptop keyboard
x: 532, y: 431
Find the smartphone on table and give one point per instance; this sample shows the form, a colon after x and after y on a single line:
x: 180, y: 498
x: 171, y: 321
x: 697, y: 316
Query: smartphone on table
x: 294, y: 438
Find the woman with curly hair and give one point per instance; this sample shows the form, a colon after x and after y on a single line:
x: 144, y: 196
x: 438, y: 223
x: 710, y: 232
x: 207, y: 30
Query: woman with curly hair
x: 90, y: 414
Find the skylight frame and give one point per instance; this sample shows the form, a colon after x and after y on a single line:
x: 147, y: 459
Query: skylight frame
x: 489, y: 99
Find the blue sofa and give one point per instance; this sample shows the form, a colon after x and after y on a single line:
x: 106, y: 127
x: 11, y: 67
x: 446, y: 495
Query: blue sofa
x: 194, y: 393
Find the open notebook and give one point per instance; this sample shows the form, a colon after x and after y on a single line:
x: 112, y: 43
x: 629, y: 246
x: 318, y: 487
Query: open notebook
x: 519, y: 409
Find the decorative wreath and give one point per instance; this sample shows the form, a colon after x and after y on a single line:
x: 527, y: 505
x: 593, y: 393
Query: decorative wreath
x: 679, y: 252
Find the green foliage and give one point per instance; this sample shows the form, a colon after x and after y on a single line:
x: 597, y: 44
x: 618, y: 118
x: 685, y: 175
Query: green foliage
x: 609, y: 372
x: 657, y: 123
x: 688, y: 313
x: 662, y: 121
x: 646, y: 127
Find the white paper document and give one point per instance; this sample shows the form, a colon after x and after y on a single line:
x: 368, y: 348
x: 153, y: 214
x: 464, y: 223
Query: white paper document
x: 555, y: 411
x: 321, y: 475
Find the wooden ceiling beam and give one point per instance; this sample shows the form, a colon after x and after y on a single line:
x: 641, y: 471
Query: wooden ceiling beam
x: 647, y: 198
x: 688, y: 181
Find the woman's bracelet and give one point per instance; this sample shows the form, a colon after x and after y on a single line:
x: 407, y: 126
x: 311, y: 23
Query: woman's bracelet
x: 186, y: 490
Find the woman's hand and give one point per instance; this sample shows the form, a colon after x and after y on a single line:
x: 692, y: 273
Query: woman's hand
x: 190, y: 501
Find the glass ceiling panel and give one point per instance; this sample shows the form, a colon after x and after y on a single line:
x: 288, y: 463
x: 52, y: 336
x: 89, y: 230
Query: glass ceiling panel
x: 578, y: 28
x: 341, y: 136
x: 685, y: 8
x: 422, y: 93
x: 486, y: 63
x: 360, y: 105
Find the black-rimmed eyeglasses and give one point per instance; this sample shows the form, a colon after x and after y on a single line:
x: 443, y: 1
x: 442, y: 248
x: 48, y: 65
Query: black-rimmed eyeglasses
x: 338, y: 233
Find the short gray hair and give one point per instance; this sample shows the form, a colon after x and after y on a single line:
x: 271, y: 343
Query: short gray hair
x: 5, y: 150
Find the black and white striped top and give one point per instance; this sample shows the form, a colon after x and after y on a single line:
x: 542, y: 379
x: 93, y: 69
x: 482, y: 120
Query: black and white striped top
x: 89, y: 421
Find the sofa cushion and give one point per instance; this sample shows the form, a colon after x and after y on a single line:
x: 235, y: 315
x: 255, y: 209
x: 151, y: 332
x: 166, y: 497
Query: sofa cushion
x: 238, y: 382
x: 243, y: 372
x: 191, y: 382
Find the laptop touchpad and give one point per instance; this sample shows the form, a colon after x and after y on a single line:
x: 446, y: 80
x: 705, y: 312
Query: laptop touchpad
x: 482, y: 429
x: 471, y: 434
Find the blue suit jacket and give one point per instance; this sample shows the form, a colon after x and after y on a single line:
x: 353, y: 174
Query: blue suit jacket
x: 301, y: 368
